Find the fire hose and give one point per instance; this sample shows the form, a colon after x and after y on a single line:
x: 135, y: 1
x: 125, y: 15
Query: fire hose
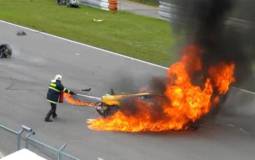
x: 77, y: 102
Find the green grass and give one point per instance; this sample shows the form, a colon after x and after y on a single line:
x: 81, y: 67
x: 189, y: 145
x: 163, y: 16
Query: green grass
x: 136, y: 36
x: 149, y: 2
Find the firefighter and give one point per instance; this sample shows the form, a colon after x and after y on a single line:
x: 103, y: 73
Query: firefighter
x: 55, y: 95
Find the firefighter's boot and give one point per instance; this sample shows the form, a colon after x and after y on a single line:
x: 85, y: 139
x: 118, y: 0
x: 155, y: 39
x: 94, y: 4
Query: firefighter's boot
x: 54, y: 115
x: 47, y: 118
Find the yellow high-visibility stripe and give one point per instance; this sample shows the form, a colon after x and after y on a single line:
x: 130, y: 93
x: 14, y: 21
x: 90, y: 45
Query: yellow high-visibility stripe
x: 52, y: 101
x: 55, y: 89
x: 53, y: 85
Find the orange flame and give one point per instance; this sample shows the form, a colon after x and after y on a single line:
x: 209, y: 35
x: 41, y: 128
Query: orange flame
x: 71, y: 100
x: 186, y: 102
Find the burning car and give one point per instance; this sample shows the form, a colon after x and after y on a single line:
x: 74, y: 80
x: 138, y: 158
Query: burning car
x: 109, y: 104
x: 195, y: 84
x: 182, y: 103
x: 5, y: 51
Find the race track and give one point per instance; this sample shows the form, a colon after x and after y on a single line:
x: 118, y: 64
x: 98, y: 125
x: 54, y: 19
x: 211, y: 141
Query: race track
x: 38, y: 57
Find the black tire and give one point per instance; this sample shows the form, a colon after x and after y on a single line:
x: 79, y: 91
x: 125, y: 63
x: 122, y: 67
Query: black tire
x: 5, y: 51
x: 101, y: 112
x: 106, y: 111
x: 217, y: 109
x: 1, y: 54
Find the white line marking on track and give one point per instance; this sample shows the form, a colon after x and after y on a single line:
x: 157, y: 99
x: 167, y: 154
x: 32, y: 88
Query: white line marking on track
x: 99, y: 158
x: 100, y: 49
x: 231, y: 125
x: 245, y: 90
x: 75, y: 42
x: 244, y: 131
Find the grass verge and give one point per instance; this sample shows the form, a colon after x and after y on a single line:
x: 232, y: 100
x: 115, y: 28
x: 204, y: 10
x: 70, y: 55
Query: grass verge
x: 148, y: 2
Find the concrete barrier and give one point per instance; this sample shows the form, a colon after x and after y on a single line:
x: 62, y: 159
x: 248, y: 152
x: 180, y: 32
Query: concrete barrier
x: 102, y: 4
x: 167, y: 10
x: 164, y: 10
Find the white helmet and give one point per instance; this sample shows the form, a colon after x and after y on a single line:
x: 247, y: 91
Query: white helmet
x: 57, y: 77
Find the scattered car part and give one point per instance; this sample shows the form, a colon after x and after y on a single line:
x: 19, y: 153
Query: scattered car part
x: 5, y: 51
x: 21, y: 33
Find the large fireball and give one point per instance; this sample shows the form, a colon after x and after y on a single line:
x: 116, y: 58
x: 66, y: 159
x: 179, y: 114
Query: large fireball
x: 184, y: 102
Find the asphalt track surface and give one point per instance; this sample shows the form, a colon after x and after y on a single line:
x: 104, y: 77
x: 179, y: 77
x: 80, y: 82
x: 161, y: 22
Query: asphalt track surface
x: 38, y: 57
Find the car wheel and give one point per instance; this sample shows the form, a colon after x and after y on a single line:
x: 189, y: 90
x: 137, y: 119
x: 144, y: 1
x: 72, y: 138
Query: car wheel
x: 5, y: 51
x: 8, y: 51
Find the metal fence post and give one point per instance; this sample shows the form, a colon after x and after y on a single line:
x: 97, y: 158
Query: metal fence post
x: 60, y: 150
x: 26, y: 138
x: 19, y: 137
x: 23, y: 128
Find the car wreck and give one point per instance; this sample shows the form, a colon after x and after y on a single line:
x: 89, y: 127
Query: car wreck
x: 108, y: 104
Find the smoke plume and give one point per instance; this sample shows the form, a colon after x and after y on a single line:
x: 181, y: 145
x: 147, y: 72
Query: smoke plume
x: 205, y: 23
x: 223, y: 28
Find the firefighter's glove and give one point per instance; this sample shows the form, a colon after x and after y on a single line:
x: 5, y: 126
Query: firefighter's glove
x: 72, y: 93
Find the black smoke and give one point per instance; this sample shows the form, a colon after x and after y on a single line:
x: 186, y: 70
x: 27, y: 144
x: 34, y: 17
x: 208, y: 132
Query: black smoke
x: 219, y: 27
x: 152, y: 103
x: 223, y: 28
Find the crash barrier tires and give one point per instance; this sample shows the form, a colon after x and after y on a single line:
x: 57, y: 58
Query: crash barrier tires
x: 5, y: 51
x: 113, y: 5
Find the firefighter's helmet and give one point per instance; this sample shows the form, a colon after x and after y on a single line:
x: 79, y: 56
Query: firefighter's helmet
x: 57, y: 77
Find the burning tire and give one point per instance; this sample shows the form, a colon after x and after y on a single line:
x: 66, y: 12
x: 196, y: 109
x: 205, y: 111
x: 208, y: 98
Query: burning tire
x: 216, y: 110
x: 5, y: 51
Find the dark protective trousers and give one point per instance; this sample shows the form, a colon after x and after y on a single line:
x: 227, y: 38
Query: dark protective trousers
x: 52, y: 111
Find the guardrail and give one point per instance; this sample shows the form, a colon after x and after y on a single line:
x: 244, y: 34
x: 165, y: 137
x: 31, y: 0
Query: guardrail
x: 40, y: 147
